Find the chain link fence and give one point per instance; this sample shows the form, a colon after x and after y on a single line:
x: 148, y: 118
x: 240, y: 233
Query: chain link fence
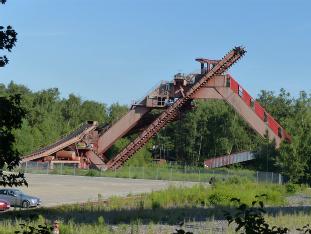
x: 157, y: 172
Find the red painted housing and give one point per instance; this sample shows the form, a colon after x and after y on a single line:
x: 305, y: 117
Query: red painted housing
x: 259, y: 110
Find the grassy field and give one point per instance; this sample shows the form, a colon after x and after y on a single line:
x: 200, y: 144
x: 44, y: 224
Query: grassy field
x: 159, y: 211
x: 293, y: 222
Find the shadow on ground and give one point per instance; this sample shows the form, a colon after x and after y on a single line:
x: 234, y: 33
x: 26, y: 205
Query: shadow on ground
x: 90, y: 215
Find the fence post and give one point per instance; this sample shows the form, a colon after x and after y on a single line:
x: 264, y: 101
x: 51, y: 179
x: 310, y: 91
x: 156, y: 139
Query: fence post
x: 257, y: 177
x: 129, y: 171
x: 26, y: 167
x: 115, y: 172
x: 280, y: 179
x: 171, y: 175
x: 199, y: 175
x: 272, y: 177
x: 157, y: 173
x: 74, y: 169
x: 47, y: 168
x: 37, y: 166
x: 143, y: 172
x: 61, y: 168
x: 266, y: 176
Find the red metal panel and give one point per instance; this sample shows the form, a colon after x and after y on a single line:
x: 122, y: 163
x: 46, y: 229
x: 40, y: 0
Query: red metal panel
x: 259, y: 110
x: 234, y: 85
x: 273, y: 125
x: 246, y: 97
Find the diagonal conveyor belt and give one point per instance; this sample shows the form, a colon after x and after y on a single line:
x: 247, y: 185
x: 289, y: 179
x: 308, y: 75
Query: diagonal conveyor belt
x: 172, y: 111
x: 72, y: 138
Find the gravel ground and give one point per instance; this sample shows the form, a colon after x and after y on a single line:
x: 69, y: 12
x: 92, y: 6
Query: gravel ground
x: 299, y: 200
x: 63, y: 189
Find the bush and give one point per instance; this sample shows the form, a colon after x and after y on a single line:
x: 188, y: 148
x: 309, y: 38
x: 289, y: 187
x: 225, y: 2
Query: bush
x: 291, y: 188
x: 92, y: 172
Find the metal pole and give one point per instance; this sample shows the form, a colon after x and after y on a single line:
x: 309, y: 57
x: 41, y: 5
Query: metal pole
x: 143, y: 172
x: 171, y: 174
x: 61, y: 168
x: 74, y: 169
x: 129, y: 171
x: 157, y: 172
x: 47, y: 168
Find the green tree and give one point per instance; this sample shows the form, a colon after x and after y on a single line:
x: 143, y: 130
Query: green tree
x: 8, y: 38
x: 11, y: 115
x: 116, y: 111
x: 91, y: 110
x: 295, y: 158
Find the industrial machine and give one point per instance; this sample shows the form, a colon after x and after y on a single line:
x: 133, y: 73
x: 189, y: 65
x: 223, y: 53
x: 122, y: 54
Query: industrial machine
x: 88, y: 144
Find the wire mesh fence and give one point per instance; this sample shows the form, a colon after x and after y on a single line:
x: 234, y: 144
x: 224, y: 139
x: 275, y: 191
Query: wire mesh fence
x: 172, y: 173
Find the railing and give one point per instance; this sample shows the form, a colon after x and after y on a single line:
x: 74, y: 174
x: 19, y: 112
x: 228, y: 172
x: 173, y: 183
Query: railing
x: 149, y: 91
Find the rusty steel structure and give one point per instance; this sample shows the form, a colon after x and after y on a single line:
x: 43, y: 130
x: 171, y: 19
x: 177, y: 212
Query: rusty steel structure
x: 229, y: 159
x: 88, y: 144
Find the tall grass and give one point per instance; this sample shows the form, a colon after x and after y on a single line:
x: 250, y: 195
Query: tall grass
x: 293, y: 222
x: 134, y: 214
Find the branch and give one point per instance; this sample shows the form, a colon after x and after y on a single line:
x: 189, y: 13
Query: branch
x: 3, y: 61
x: 12, y: 179
x: 8, y: 38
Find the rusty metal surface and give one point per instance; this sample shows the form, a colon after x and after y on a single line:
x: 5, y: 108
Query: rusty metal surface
x: 70, y: 139
x: 228, y: 159
x: 95, y: 160
x: 174, y: 98
x: 120, y: 128
x: 172, y: 111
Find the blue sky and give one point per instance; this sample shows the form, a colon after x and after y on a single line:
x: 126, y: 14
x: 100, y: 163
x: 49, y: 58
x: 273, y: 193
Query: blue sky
x: 115, y: 51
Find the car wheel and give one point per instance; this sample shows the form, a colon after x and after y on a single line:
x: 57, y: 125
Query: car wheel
x: 25, y: 204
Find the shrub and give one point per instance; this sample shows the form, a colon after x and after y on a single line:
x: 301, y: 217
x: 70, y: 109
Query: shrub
x: 291, y: 188
x: 92, y: 172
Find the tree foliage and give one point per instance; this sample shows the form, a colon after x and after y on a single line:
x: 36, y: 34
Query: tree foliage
x: 294, y: 114
x: 251, y: 220
x: 8, y: 38
x: 11, y: 115
x: 212, y: 129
